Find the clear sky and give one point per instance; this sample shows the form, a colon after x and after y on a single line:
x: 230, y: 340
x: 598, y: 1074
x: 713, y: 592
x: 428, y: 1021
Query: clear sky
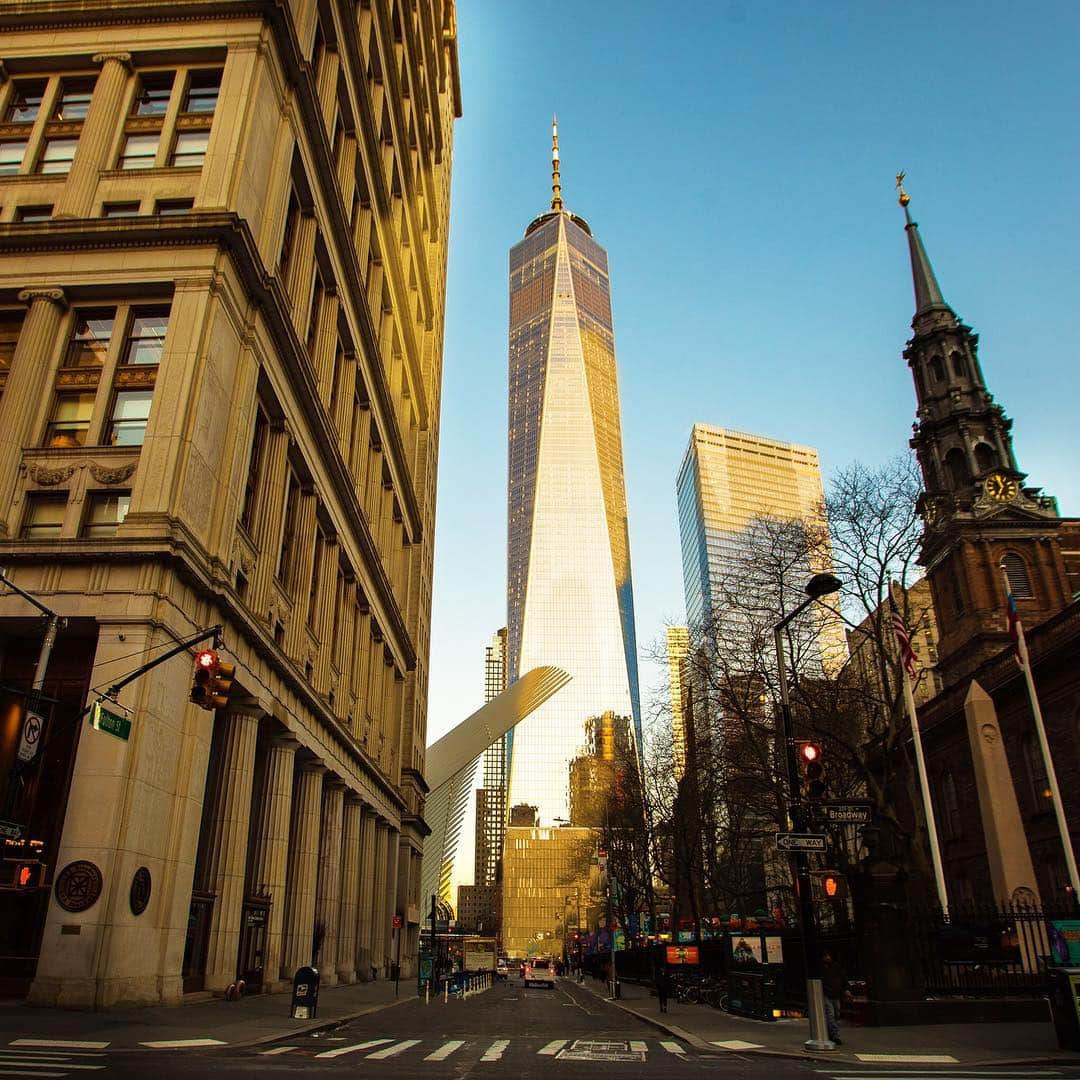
x: 736, y: 160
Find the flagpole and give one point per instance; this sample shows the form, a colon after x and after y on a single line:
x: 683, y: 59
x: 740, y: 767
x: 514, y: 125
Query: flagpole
x: 924, y: 786
x: 1044, y: 745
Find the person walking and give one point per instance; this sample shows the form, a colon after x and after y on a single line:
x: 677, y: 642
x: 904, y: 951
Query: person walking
x: 663, y: 985
x: 834, y: 985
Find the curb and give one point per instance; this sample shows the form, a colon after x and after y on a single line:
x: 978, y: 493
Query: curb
x: 842, y: 1057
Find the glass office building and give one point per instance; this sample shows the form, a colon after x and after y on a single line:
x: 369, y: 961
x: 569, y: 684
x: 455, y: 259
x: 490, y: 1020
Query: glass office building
x: 569, y: 592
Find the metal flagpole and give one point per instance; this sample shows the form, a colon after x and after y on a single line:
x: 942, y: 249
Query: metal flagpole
x: 924, y: 784
x: 1040, y: 728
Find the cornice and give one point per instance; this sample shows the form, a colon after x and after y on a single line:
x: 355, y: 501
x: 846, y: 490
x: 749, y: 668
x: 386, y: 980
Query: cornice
x: 228, y: 231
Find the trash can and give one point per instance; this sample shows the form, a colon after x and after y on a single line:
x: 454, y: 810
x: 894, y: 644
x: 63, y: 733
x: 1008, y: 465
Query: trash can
x: 1065, y: 1005
x: 305, y: 993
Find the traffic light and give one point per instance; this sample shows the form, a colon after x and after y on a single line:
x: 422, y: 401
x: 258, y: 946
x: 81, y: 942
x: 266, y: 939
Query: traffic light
x: 831, y: 885
x: 212, y: 680
x: 812, y: 772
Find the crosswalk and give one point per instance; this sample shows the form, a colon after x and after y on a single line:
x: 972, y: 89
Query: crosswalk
x: 420, y: 1051
x: 932, y: 1067
x: 43, y: 1059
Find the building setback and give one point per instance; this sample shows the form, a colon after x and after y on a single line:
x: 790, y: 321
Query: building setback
x: 222, y: 274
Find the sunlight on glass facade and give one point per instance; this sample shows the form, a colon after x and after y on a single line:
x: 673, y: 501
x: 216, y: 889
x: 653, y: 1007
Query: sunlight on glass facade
x: 569, y: 592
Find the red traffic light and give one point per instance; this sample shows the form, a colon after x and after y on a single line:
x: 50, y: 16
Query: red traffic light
x: 206, y: 659
x: 809, y: 751
x: 831, y: 886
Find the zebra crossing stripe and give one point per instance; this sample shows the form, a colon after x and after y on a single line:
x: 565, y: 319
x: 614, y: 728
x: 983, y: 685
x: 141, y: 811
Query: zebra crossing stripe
x: 639, y: 1045
x: 30, y: 1072
x: 58, y: 1044
x: 672, y: 1047
x: 913, y: 1059
x: 495, y: 1050
x: 553, y: 1047
x: 352, y: 1049
x: 276, y: 1050
x: 445, y: 1050
x: 391, y: 1051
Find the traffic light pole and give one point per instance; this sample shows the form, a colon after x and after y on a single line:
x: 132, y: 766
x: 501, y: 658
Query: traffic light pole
x: 815, y: 996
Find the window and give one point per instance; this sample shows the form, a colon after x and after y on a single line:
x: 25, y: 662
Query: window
x: 190, y: 149
x: 251, y: 484
x: 140, y: 151
x: 105, y: 511
x: 155, y: 89
x: 202, y: 91
x: 292, y: 217
x: 173, y: 207
x: 24, y: 104
x: 956, y: 467
x: 90, y: 337
x: 33, y: 213
x: 957, y: 361
x: 127, y: 423
x: 10, y: 325
x: 287, y: 552
x: 57, y: 156
x: 120, y: 209
x: 73, y: 101
x: 44, y: 516
x: 984, y: 456
x: 317, y: 294
x: 146, y: 336
x: 70, y: 419
x: 316, y: 573
x: 1016, y: 572
x: 12, y: 152
x: 937, y: 368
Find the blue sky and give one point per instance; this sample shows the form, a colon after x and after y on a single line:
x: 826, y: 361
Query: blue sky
x: 736, y: 159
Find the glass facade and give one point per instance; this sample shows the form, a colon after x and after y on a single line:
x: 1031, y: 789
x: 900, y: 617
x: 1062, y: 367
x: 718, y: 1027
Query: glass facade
x: 569, y: 590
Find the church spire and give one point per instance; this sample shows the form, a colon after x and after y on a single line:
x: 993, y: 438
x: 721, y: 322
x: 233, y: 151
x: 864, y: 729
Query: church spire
x: 927, y: 291
x: 556, y: 187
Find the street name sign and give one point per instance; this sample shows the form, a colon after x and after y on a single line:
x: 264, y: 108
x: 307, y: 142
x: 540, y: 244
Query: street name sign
x: 846, y: 813
x: 109, y: 722
x: 12, y: 830
x: 793, y: 841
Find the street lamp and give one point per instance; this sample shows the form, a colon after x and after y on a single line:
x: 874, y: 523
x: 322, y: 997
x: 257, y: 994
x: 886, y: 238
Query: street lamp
x: 819, y: 585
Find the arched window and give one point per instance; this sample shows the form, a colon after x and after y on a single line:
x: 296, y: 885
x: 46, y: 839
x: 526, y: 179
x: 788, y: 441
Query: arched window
x: 950, y: 807
x: 1035, y: 770
x: 1017, y: 573
x: 956, y: 467
x: 984, y: 457
x: 937, y: 368
x: 958, y: 367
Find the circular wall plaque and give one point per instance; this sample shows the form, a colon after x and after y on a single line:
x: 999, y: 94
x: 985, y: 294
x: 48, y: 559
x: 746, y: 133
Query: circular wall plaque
x: 139, y: 897
x: 78, y: 886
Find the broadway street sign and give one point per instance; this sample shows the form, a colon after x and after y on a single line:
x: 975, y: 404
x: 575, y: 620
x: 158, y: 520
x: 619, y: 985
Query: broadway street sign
x: 794, y: 841
x: 846, y: 813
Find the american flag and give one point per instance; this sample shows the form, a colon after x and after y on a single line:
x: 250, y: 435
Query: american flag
x: 903, y: 639
x: 1012, y: 623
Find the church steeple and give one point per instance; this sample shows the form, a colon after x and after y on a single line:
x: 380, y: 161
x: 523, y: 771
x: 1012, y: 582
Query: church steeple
x: 976, y: 511
x: 927, y: 291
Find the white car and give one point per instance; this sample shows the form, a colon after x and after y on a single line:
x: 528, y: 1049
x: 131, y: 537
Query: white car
x: 540, y: 973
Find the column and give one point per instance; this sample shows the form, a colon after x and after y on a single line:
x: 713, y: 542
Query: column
x: 328, y: 894
x: 326, y: 340
x: 95, y: 143
x: 393, y: 907
x: 268, y: 511
x: 380, y: 917
x: 303, y: 869
x: 296, y: 635
x: 228, y: 852
x: 301, y: 274
x: 350, y: 889
x: 365, y: 916
x: 28, y: 382
x: 271, y: 858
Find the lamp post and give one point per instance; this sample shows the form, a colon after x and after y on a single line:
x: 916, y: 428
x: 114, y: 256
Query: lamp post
x: 819, y: 585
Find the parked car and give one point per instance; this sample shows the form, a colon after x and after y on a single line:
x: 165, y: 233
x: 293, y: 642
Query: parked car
x: 540, y: 973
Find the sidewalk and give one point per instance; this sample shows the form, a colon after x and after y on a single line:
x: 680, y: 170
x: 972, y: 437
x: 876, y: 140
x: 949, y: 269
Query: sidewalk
x: 707, y: 1028
x: 253, y: 1020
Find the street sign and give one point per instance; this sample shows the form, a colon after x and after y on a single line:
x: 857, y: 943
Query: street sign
x: 12, y: 830
x: 396, y: 923
x: 109, y: 722
x: 846, y: 813
x: 791, y: 841
x: 31, y: 734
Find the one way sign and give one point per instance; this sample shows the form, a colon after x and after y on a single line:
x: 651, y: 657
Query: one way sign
x: 793, y: 841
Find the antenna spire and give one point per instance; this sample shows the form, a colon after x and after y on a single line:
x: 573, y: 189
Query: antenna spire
x: 556, y: 187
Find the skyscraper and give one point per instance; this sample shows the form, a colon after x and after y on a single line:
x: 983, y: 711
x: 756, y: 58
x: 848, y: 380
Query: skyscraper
x: 491, y: 798
x: 727, y: 480
x: 678, y: 650
x: 569, y: 592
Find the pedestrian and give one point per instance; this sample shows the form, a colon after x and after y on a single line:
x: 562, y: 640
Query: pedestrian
x: 834, y: 984
x: 663, y: 985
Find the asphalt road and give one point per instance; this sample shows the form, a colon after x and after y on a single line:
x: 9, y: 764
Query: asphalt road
x: 503, y: 1032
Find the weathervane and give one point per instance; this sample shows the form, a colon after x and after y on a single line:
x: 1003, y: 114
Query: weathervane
x: 905, y: 198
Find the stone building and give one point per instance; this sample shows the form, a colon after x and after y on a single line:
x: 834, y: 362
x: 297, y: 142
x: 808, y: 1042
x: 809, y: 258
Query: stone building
x: 223, y: 246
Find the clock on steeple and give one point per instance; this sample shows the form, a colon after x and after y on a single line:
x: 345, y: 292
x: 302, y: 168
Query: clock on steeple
x: 977, y: 513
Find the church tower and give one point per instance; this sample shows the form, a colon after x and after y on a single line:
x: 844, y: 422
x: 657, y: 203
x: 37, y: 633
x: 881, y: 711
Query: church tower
x: 977, y: 512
